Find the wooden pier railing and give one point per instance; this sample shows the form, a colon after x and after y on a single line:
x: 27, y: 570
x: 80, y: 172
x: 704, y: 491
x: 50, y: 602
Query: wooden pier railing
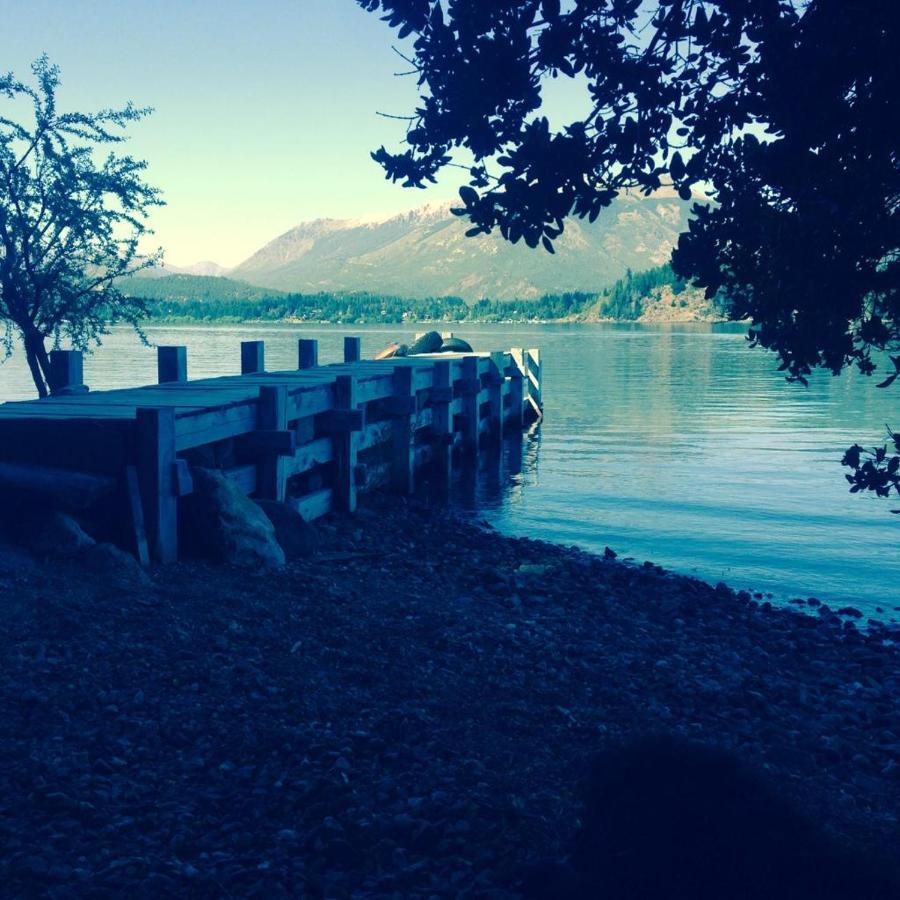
x: 313, y: 437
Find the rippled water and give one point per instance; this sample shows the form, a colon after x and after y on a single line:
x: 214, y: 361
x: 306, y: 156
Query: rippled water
x: 672, y: 443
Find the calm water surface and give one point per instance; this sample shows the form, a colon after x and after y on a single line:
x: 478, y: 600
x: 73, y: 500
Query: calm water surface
x: 677, y: 444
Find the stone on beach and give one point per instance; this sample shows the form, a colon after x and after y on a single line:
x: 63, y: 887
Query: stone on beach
x: 219, y: 522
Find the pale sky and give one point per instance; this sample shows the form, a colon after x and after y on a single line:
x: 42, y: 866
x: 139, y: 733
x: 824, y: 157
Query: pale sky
x: 265, y: 111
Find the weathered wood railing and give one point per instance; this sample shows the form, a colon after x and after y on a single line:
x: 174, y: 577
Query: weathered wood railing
x: 313, y: 437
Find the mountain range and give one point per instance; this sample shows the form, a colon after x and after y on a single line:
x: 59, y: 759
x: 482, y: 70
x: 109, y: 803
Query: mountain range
x: 425, y: 253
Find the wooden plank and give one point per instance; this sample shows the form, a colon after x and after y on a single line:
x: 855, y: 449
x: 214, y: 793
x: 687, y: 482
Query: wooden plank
x: 310, y: 401
x: 171, y: 364
x: 312, y: 506
x: 374, y: 387
x: 155, y: 467
x: 376, y: 433
x: 135, y: 509
x: 307, y: 456
x: 273, y: 419
x: 206, y: 427
x: 182, y: 480
x: 346, y: 445
x: 102, y: 446
x: 402, y: 455
x: 70, y: 490
x: 253, y: 357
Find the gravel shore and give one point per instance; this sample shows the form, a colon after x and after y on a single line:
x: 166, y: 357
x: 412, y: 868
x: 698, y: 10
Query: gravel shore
x: 406, y: 714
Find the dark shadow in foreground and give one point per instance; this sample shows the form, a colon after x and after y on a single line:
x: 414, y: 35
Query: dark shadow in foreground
x: 668, y: 819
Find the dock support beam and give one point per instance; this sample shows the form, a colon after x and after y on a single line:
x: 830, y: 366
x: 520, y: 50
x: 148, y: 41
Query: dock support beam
x: 67, y: 372
x: 469, y: 390
x: 352, y: 349
x: 272, y: 475
x: 496, y: 380
x: 156, y: 463
x: 442, y: 422
x: 253, y: 357
x: 171, y: 364
x: 307, y: 353
x: 403, y: 457
x: 345, y: 446
x: 515, y: 416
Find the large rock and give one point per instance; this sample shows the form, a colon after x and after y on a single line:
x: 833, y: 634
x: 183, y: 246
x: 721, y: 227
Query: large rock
x: 296, y: 536
x: 53, y: 533
x: 219, y: 522
x: 115, y: 564
x: 430, y: 342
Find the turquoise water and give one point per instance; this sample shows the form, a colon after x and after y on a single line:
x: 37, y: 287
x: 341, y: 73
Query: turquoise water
x: 677, y: 444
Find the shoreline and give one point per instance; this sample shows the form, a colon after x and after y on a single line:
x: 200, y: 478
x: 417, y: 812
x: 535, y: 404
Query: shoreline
x: 168, y: 321
x: 408, y: 709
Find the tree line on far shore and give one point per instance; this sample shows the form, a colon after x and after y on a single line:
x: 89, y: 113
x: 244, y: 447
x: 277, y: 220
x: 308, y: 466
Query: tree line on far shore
x: 216, y: 299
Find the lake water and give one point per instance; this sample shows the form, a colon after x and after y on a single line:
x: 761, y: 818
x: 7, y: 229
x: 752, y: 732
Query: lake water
x: 677, y: 444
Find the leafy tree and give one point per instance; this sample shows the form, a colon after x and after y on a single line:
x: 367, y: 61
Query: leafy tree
x: 784, y: 113
x: 69, y: 225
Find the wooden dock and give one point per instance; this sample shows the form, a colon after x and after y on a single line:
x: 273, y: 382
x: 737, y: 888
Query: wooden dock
x: 314, y: 437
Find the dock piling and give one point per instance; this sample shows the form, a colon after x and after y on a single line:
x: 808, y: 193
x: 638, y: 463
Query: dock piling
x: 67, y: 372
x: 346, y: 444
x: 171, y: 364
x: 307, y: 353
x: 273, y: 419
x: 253, y: 357
x: 155, y: 438
x: 352, y: 349
x: 403, y: 460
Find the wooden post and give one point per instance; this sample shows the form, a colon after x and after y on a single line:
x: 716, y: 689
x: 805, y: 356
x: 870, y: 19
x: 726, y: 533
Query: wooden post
x: 155, y: 434
x: 442, y: 421
x: 516, y: 390
x: 171, y: 364
x: 496, y: 377
x: 403, y: 460
x: 253, y: 357
x: 271, y: 481
x: 345, y: 446
x: 136, y: 515
x: 534, y: 374
x: 307, y: 353
x: 352, y: 349
x: 66, y: 371
x: 471, y: 386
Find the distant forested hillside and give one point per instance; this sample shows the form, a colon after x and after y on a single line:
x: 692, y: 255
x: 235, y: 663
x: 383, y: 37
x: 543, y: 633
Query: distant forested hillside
x: 656, y: 295
x: 188, y: 288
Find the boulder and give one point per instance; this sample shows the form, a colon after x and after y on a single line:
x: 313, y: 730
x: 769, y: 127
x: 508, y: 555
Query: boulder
x: 48, y: 532
x: 430, y: 342
x: 110, y: 561
x: 296, y: 536
x: 219, y: 522
x: 455, y: 345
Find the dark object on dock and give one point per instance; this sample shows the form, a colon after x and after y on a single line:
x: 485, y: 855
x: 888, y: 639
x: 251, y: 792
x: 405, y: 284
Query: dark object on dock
x: 455, y: 345
x: 430, y: 342
x: 312, y: 437
x: 668, y: 818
